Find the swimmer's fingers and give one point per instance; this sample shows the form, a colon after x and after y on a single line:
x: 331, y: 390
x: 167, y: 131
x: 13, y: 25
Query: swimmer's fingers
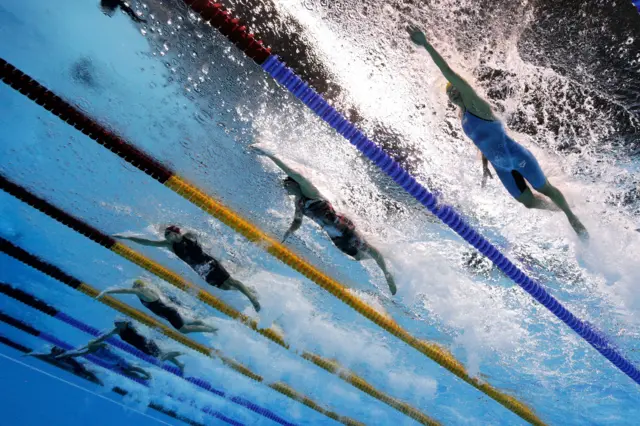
x: 258, y: 149
x: 416, y: 34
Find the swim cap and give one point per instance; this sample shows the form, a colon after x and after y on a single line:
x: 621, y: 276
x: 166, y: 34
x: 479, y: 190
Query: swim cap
x: 288, y: 180
x: 449, y: 86
x: 172, y: 228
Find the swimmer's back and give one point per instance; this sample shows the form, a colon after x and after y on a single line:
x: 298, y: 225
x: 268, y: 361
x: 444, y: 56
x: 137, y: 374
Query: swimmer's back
x: 492, y: 140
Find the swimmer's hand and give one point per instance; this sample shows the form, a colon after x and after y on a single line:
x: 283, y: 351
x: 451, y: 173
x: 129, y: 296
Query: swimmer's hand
x: 486, y: 174
x: 259, y: 150
x: 417, y: 36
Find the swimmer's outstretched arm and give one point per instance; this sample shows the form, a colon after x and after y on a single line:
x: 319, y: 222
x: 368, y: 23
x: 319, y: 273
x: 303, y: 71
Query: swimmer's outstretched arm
x: 307, y: 188
x: 143, y: 241
x: 75, y: 353
x: 471, y: 99
x: 132, y: 14
x: 295, y: 225
x: 120, y: 291
x: 94, y: 344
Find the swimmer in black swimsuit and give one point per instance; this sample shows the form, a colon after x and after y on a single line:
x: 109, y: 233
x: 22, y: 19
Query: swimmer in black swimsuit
x: 109, y: 358
x: 68, y: 364
x: 128, y: 333
x: 109, y: 8
x: 341, y: 230
x: 188, y: 249
x: 152, y: 299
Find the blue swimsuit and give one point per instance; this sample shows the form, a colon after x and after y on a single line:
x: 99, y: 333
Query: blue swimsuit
x: 513, y: 162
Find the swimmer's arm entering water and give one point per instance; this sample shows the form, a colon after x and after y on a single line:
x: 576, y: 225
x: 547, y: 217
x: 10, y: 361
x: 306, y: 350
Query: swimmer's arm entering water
x: 472, y: 101
x: 297, y: 221
x: 132, y: 14
x: 120, y: 291
x: 307, y: 188
x: 144, y: 241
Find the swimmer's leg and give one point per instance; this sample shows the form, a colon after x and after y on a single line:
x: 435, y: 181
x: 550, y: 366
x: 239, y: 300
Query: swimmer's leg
x: 532, y: 201
x: 379, y: 259
x: 132, y: 370
x: 232, y: 283
x: 556, y: 196
x: 197, y: 327
x: 172, y: 357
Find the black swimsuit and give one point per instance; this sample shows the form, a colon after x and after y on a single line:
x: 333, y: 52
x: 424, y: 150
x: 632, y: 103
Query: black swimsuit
x: 189, y: 250
x: 138, y: 341
x: 169, y: 313
x: 340, y: 229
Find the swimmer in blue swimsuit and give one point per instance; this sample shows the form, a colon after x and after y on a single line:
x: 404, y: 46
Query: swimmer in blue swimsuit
x: 152, y: 299
x: 339, y: 228
x: 513, y: 163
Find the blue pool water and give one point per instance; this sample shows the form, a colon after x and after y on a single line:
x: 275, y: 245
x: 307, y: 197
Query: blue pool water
x: 198, y: 115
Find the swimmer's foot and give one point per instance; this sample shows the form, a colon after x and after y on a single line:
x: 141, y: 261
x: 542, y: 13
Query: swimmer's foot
x: 577, y: 226
x: 253, y: 298
x: 392, y: 284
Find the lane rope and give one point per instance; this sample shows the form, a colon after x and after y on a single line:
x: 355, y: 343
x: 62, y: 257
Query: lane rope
x: 49, y: 338
x: 214, y: 13
x: 177, y: 281
x: 76, y: 118
x: 117, y: 390
x: 35, y: 262
x: 30, y: 300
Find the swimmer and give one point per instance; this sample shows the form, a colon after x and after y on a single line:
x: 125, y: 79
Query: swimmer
x: 187, y: 247
x: 68, y: 364
x: 341, y: 230
x: 152, y: 299
x: 513, y: 163
x: 111, y: 360
x: 109, y: 8
x: 128, y: 333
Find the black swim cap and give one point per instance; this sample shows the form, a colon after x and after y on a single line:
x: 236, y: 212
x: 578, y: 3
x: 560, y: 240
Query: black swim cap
x: 289, y: 179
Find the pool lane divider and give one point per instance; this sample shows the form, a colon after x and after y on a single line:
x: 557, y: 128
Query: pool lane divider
x: 35, y: 262
x: 118, y: 390
x: 214, y: 14
x: 176, y: 280
x: 70, y: 114
x: 49, y: 338
x: 32, y: 301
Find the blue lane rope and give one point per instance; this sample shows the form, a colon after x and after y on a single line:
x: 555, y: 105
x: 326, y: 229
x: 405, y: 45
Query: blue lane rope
x: 301, y: 90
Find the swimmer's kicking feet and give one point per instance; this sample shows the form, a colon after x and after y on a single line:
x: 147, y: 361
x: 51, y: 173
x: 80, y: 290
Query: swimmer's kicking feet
x: 152, y: 299
x: 512, y: 162
x: 109, y: 8
x: 187, y: 247
x: 341, y: 230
